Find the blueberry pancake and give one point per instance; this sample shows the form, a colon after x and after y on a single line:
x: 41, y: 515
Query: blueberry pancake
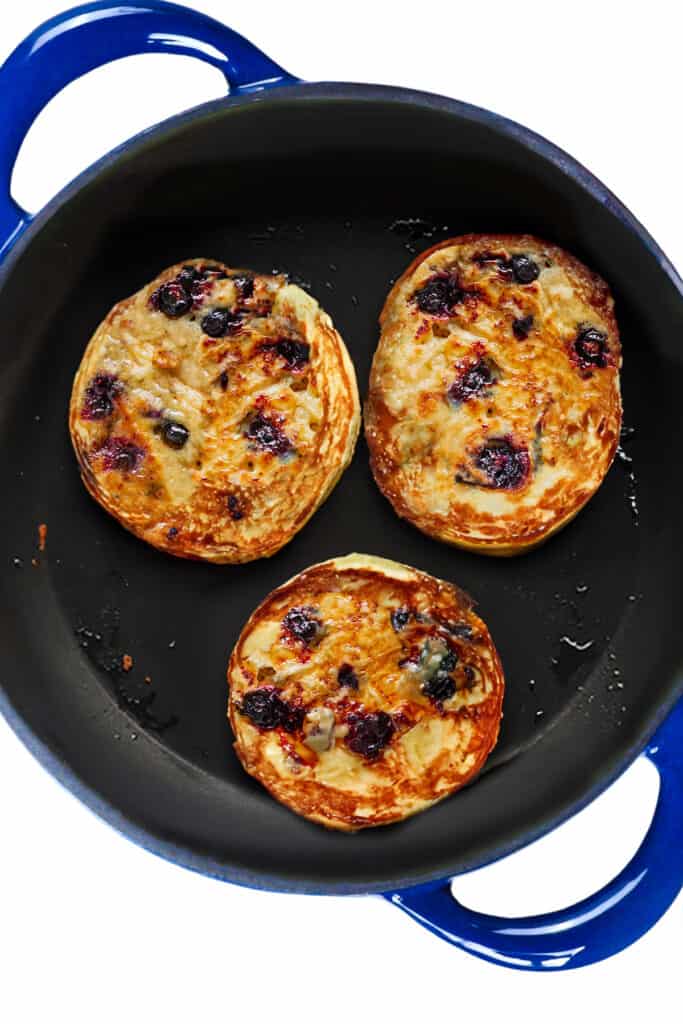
x: 214, y: 411
x: 494, y: 408
x: 363, y: 691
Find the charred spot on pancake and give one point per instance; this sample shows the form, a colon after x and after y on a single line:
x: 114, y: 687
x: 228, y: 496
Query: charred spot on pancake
x: 267, y: 710
x: 347, y: 677
x: 99, y: 398
x: 504, y: 464
x: 120, y: 453
x: 439, y: 295
x: 223, y: 380
x: 369, y: 733
x: 265, y: 432
x: 521, y: 327
x: 590, y: 348
x: 476, y: 379
x: 302, y: 623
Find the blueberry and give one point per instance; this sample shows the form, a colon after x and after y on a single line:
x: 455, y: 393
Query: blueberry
x: 369, y: 733
x: 197, y: 282
x: 188, y: 277
x: 522, y: 326
x: 245, y: 285
x: 172, y: 299
x: 223, y: 380
x: 437, y: 684
x: 302, y: 624
x: 520, y: 267
x: 524, y: 269
x: 265, y: 433
x: 172, y: 533
x: 121, y: 454
x: 347, y: 677
x: 472, y: 382
x: 295, y: 353
x: 439, y: 295
x: 439, y: 688
x: 447, y: 663
x: 263, y: 707
x: 174, y: 434
x: 267, y: 710
x: 235, y: 510
x: 99, y: 396
x: 292, y: 717
x: 400, y: 618
x: 504, y: 465
x: 591, y: 347
x: 221, y: 321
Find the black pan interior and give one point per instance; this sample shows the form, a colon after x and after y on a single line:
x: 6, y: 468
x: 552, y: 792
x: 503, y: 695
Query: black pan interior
x: 340, y: 187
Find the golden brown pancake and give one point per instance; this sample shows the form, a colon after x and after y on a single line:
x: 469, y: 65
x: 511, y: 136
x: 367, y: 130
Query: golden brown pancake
x: 494, y: 408
x: 363, y: 691
x: 214, y: 411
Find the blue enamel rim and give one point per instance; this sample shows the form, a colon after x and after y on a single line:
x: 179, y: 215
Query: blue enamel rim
x: 636, y: 899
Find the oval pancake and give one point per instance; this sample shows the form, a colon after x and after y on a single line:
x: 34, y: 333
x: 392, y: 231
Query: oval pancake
x: 214, y: 411
x: 363, y: 691
x: 494, y: 408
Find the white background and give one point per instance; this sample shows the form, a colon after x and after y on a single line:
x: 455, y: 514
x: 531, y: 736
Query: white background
x: 94, y: 929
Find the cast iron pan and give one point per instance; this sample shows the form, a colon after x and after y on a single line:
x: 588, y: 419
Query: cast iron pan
x: 339, y: 185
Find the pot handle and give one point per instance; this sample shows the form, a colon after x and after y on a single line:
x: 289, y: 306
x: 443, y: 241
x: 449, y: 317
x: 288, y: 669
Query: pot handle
x: 83, y: 38
x: 597, y: 927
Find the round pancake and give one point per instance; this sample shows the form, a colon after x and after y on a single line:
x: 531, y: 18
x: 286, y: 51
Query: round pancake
x: 363, y: 691
x: 494, y: 408
x: 214, y: 411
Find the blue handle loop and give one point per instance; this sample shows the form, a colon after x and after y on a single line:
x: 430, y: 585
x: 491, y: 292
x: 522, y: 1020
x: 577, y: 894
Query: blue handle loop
x: 83, y: 38
x: 597, y: 927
